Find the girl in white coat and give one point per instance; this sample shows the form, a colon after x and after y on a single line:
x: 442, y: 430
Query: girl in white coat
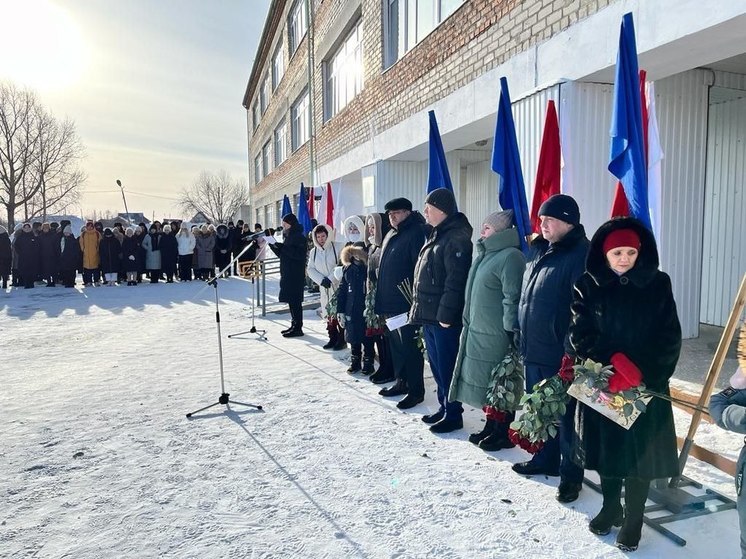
x: 322, y: 259
x: 186, y: 242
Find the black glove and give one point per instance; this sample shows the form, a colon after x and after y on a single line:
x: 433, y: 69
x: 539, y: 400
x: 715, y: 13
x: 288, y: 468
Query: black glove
x: 326, y: 283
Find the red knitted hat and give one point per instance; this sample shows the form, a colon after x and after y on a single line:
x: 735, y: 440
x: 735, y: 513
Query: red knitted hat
x: 621, y: 238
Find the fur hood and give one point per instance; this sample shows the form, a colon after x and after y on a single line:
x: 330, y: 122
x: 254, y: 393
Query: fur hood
x: 383, y: 226
x: 353, y: 252
x: 357, y: 221
x: 647, y: 263
x: 329, y: 238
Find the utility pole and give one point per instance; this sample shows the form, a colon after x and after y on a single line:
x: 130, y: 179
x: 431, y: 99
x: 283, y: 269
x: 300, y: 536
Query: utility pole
x: 129, y: 220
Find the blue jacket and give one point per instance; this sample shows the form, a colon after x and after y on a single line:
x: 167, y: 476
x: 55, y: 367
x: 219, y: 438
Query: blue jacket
x: 546, y: 295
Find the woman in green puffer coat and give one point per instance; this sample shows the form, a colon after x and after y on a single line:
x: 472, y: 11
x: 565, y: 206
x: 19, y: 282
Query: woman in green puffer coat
x: 493, y: 290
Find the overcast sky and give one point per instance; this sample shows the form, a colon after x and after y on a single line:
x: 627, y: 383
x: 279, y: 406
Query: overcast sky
x: 154, y: 87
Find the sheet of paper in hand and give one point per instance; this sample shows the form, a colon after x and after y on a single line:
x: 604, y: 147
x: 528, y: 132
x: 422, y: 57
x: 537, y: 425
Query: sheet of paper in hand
x: 616, y: 407
x: 396, y: 322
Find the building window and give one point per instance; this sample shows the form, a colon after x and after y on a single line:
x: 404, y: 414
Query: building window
x: 264, y: 94
x: 255, y: 114
x: 278, y: 213
x: 344, y: 73
x: 410, y: 21
x: 278, y: 66
x: 258, y: 169
x: 299, y: 116
x: 267, y: 158
x: 281, y: 152
x: 297, y: 25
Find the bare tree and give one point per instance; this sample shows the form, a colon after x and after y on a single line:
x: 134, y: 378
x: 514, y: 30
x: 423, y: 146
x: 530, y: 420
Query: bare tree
x: 39, y: 157
x: 217, y: 196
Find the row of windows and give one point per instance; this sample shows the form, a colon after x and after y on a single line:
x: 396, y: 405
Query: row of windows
x: 407, y: 23
x: 274, y: 150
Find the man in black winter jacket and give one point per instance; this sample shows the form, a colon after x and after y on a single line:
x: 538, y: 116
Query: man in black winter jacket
x: 399, y: 254
x: 556, y: 260
x: 439, y: 286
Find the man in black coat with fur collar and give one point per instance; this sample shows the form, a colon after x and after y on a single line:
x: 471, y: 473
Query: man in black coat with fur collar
x: 439, y: 286
x: 556, y: 260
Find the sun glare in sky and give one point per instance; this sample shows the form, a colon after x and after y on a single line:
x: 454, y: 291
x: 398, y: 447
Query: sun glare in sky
x: 40, y: 45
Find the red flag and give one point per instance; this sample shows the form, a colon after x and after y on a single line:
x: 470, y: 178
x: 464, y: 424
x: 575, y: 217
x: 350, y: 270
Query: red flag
x: 620, y: 206
x: 329, y: 205
x: 311, y: 203
x: 550, y: 162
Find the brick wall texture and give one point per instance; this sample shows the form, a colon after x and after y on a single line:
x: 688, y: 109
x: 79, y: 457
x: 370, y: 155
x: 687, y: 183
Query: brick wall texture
x: 478, y: 36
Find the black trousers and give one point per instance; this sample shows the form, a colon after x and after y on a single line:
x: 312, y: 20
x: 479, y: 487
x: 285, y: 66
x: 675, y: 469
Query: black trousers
x: 296, y: 314
x: 407, y: 359
x: 68, y: 278
x: 185, y: 267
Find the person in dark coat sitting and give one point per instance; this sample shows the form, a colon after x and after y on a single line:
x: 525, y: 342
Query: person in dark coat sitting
x: 110, y: 254
x: 71, y: 258
x: 6, y: 256
x: 292, y: 254
x: 169, y: 253
x: 351, y: 303
x: 624, y: 314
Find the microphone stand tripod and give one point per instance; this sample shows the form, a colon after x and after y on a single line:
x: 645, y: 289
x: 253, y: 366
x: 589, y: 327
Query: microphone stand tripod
x: 252, y: 270
x: 224, y: 397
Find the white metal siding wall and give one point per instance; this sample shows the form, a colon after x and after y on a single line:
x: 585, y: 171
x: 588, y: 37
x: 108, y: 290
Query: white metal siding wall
x: 407, y: 179
x: 681, y: 106
x: 479, y: 197
x: 724, y: 250
x: 585, y: 114
x: 529, y: 114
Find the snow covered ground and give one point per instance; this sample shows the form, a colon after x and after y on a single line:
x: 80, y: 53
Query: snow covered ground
x: 97, y: 458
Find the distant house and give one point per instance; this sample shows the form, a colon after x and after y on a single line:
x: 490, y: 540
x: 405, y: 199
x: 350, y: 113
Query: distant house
x: 76, y: 223
x: 199, y: 218
x: 133, y: 217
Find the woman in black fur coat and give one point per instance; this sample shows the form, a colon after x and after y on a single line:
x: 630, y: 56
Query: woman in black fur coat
x: 624, y: 314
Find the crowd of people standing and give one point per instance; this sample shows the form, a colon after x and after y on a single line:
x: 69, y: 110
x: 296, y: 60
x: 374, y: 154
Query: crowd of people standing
x: 568, y: 298
x: 50, y: 253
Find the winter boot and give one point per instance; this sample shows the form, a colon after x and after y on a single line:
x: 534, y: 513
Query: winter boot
x: 354, y: 364
x: 331, y: 329
x: 635, y: 495
x: 340, y: 342
x: 612, y: 513
x: 498, y: 439
x: 367, y: 365
x: 489, y: 427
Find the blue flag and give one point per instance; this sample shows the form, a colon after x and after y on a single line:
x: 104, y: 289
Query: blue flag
x: 627, y: 157
x: 437, y: 173
x: 506, y: 162
x: 303, y: 218
x: 286, y: 209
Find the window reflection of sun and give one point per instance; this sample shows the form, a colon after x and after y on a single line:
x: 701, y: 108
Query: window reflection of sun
x: 40, y: 45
